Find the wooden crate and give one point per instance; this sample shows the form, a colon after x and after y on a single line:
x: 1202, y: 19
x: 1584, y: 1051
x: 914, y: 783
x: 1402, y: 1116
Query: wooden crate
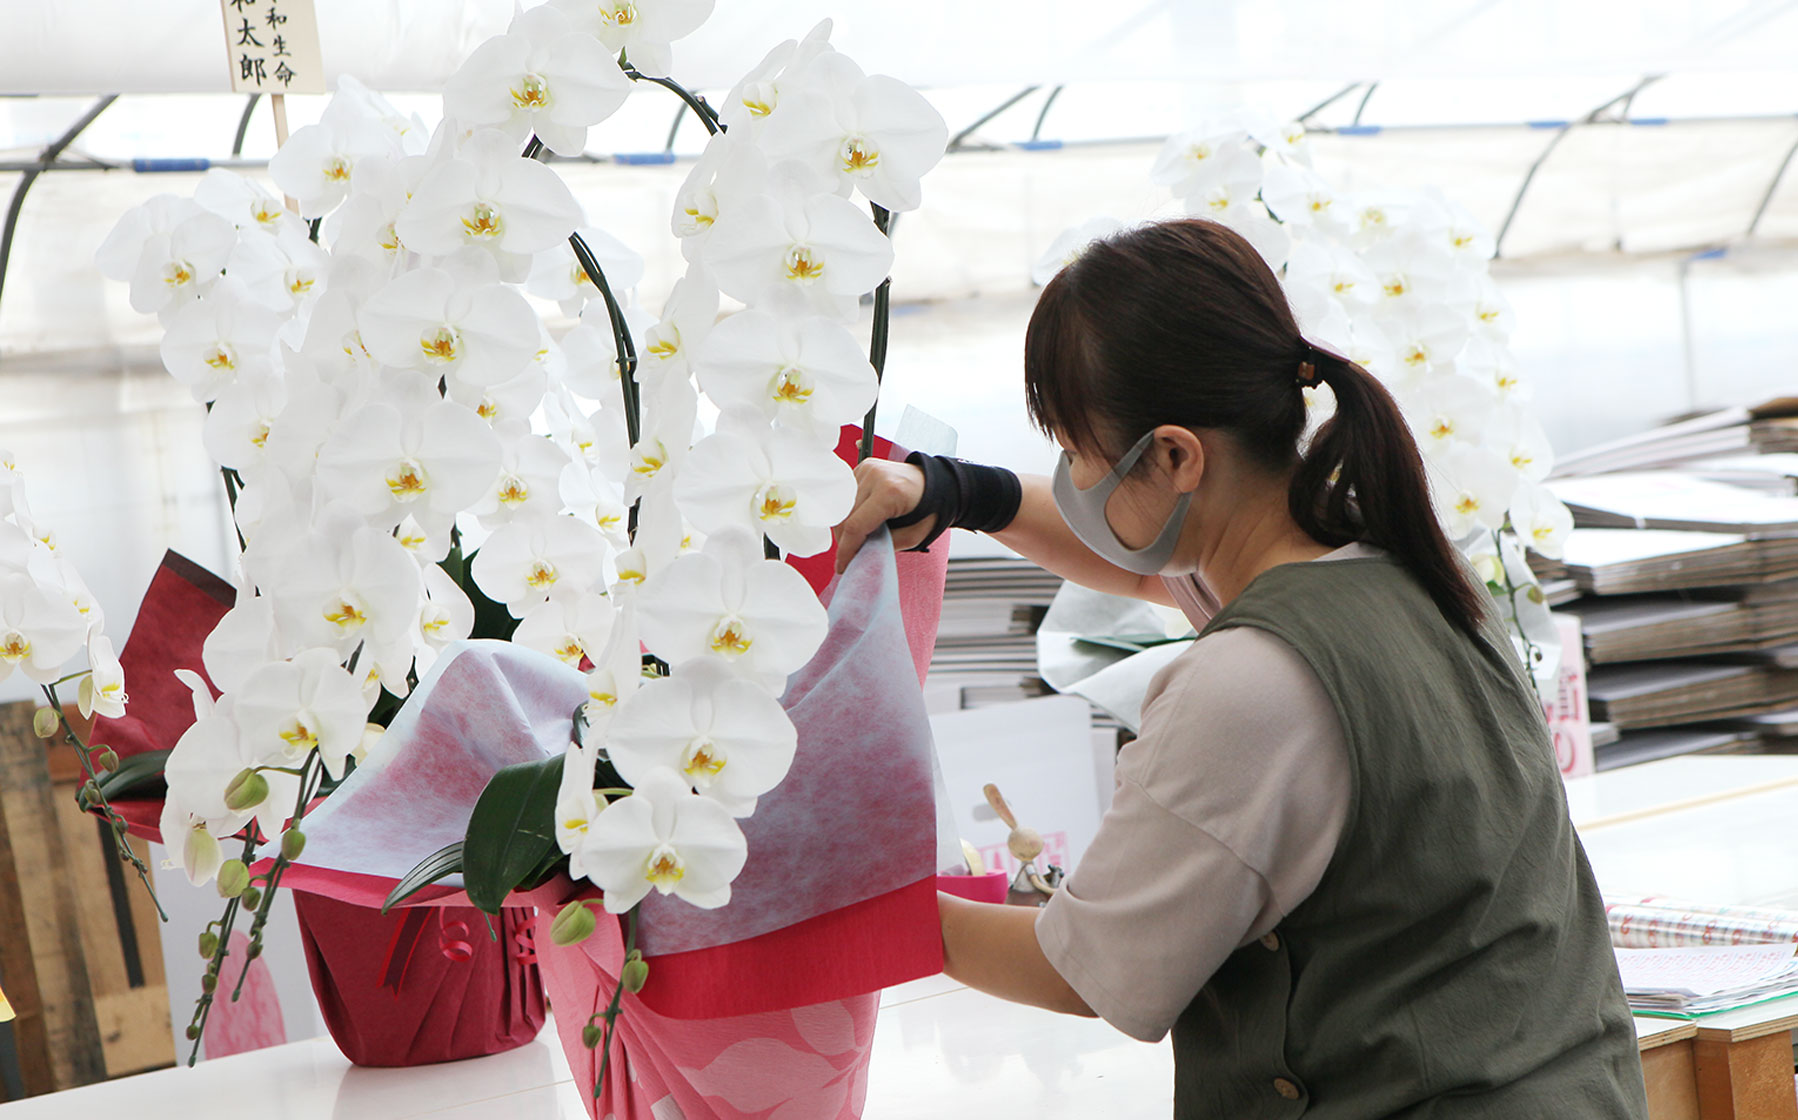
x: 80, y: 941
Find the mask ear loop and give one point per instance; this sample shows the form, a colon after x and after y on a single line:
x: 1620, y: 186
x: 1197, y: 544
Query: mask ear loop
x: 1126, y: 462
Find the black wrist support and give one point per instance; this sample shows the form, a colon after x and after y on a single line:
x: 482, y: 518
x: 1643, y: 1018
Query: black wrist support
x: 961, y: 495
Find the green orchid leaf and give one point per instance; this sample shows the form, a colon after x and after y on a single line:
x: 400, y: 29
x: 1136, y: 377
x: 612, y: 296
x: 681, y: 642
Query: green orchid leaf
x: 137, y: 774
x: 443, y: 862
x: 511, y: 832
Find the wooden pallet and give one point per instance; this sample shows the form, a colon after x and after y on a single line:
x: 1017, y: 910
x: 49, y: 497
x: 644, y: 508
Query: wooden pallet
x: 80, y: 941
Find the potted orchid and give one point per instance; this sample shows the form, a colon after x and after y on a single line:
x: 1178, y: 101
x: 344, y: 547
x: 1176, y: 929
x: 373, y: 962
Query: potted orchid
x: 414, y: 459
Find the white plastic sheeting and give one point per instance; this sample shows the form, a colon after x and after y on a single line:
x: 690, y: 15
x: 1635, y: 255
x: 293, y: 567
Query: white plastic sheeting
x: 176, y: 45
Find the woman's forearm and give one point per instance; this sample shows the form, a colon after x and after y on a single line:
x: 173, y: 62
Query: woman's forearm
x: 993, y: 949
x: 1039, y: 534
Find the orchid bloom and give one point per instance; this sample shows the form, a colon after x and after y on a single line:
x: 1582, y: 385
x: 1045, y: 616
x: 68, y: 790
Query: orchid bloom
x: 316, y: 163
x: 245, y: 204
x: 169, y: 249
x: 212, y: 342
x: 571, y: 626
x: 663, y: 838
x: 1191, y: 163
x: 687, y: 318
x: 445, y: 615
x: 729, y: 171
x: 1069, y: 244
x: 809, y: 374
x: 282, y: 273
x: 287, y: 709
x: 380, y: 188
x: 1448, y: 410
x: 724, y: 734
x: 541, y: 76
x: 773, y: 483
x: 443, y: 325
x: 528, y: 483
x: 811, y: 250
x: 243, y: 415
x: 872, y: 134
x: 578, y: 804
x: 341, y: 589
x: 245, y: 639
x: 39, y: 628
x: 1472, y: 489
x: 1426, y: 339
x: 757, y: 95
x: 103, y: 689
x: 556, y: 273
x: 430, y: 459
x: 726, y: 602
x: 1299, y: 195
x: 1542, y: 522
x: 528, y: 560
x: 490, y: 197
x: 641, y: 29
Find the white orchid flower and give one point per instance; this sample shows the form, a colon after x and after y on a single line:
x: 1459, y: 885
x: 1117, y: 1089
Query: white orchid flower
x: 725, y: 601
x: 363, y: 226
x: 245, y: 204
x: 1492, y: 363
x: 1447, y: 410
x: 481, y: 333
x: 577, y: 806
x: 556, y: 274
x: 1411, y: 267
x: 341, y: 589
x: 757, y: 95
x: 724, y: 734
x: 354, y: 101
x: 244, y: 414
x: 541, y: 76
x: 769, y: 482
x: 1425, y: 338
x: 730, y: 171
x: 591, y: 495
x: 1542, y: 522
x: 213, y: 341
x: 641, y: 29
x: 526, y: 561
x: 670, y: 411
x: 169, y: 249
x: 1283, y: 139
x: 430, y: 460
x: 809, y: 374
x: 103, y: 689
x: 75, y: 591
x: 197, y: 851
x: 1466, y: 241
x: 1491, y: 311
x: 287, y: 709
x: 687, y: 318
x: 618, y: 669
x: 1251, y: 219
x: 1296, y: 194
x: 245, y: 639
x: 201, y: 768
x: 664, y: 838
x: 571, y: 626
x: 282, y: 273
x: 1069, y: 244
x: 804, y: 248
x: 488, y: 196
x: 872, y: 134
x: 516, y: 398
x: 445, y: 616
x: 39, y: 628
x: 1518, y: 435
x: 1472, y: 488
x: 529, y: 479
x: 315, y: 165
x: 1191, y: 163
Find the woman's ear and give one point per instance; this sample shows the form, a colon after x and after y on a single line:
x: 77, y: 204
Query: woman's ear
x: 1181, y: 455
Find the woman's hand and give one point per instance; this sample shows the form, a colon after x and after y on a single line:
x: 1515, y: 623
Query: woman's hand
x: 883, y: 490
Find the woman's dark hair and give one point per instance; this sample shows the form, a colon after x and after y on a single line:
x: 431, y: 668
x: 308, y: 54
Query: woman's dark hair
x: 1182, y: 322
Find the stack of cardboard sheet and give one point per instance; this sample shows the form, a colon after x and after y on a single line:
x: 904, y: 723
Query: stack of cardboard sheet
x: 1686, y: 564
x: 986, y: 642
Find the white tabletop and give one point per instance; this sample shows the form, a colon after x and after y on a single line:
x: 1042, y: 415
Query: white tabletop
x: 940, y: 1050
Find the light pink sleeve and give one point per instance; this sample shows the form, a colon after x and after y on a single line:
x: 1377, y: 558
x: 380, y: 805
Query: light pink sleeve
x: 1194, y: 598
x: 1227, y: 811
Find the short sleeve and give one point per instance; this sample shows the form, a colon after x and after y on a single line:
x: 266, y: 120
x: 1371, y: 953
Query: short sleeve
x: 1227, y: 812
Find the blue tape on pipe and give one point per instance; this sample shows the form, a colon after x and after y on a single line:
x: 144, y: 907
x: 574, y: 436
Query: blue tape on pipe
x: 1648, y: 120
x: 642, y: 158
x: 1545, y: 124
x: 155, y: 165
x: 1037, y: 145
x: 1358, y: 130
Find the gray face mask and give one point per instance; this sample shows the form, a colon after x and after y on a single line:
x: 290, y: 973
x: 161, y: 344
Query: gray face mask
x: 1084, y: 511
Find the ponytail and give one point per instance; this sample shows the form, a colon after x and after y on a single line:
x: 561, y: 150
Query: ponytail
x: 1362, y: 478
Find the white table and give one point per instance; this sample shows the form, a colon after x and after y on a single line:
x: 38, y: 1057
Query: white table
x: 940, y: 1051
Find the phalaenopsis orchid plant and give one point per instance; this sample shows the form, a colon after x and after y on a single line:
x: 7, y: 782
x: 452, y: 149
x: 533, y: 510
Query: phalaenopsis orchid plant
x: 412, y: 458
x: 1398, y: 281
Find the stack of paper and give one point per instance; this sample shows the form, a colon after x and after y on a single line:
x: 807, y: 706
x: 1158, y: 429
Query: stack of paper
x: 1768, y: 427
x: 1670, y: 499
x: 1692, y: 981
x: 1622, y: 561
x: 1651, y: 627
x: 1668, y: 742
x: 986, y: 643
x: 1659, y: 693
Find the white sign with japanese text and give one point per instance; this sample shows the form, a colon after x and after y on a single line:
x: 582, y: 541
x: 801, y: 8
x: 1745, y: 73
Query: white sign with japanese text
x: 272, y: 46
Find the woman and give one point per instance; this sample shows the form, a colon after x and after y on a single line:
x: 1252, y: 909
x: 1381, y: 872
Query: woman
x: 1338, y: 864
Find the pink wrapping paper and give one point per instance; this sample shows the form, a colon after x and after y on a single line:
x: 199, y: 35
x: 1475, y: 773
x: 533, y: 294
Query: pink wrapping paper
x: 807, y: 1063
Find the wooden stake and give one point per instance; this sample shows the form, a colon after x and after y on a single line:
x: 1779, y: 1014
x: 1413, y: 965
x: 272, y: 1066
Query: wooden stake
x: 278, y: 102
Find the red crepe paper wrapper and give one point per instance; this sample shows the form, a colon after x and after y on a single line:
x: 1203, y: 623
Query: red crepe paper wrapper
x: 421, y: 985
x: 990, y: 887
x: 180, y: 608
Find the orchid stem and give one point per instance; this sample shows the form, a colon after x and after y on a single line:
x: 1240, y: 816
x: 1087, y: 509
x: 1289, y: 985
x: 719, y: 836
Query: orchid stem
x: 196, y: 1027
x: 706, y: 114
x: 877, y: 342
x: 626, y: 350
x: 611, y: 1011
x: 123, y: 845
x: 311, y: 777
x: 1530, y: 649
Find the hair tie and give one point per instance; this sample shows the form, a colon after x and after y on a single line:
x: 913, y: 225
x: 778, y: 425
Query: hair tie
x: 1309, y: 359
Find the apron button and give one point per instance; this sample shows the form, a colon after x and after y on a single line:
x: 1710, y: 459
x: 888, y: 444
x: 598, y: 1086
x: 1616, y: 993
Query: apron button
x: 1271, y: 942
x: 1286, y: 1089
